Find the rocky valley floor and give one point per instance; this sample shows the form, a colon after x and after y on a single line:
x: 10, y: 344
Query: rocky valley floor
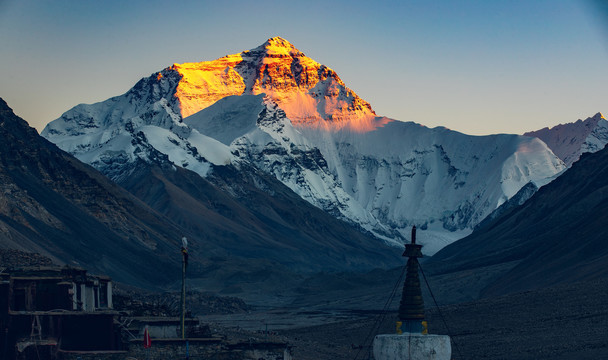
x: 331, y: 318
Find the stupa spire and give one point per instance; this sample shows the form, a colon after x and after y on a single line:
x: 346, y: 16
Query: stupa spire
x: 412, y: 340
x: 411, y: 308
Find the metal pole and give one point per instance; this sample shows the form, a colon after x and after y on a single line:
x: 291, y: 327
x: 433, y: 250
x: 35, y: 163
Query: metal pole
x: 183, y: 305
x: 184, y: 251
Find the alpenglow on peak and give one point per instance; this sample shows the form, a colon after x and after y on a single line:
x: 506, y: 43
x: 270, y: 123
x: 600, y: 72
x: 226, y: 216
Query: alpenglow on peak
x: 279, y: 46
x: 311, y: 94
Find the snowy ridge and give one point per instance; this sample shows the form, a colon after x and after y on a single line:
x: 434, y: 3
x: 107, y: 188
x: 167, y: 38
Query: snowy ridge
x: 570, y: 141
x: 140, y: 124
x: 276, y: 109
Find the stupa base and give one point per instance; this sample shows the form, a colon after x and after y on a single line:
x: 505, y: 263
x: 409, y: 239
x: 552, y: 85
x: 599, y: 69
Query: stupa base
x: 412, y: 346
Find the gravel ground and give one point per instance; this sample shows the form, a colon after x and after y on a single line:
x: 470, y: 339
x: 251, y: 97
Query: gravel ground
x: 560, y: 323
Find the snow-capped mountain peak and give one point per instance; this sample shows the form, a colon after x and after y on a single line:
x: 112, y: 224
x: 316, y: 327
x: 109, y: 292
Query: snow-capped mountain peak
x: 278, y: 47
x: 311, y: 94
x: 274, y: 109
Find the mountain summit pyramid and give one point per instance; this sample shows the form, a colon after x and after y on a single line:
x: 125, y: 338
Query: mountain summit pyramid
x: 311, y: 94
x: 281, y: 113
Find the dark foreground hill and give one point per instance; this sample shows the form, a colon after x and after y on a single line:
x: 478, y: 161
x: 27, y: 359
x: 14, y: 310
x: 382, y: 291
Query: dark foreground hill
x: 248, y: 214
x: 55, y: 205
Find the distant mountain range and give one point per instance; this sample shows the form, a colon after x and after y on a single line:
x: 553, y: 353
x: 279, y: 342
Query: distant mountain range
x: 570, y: 141
x: 273, y: 112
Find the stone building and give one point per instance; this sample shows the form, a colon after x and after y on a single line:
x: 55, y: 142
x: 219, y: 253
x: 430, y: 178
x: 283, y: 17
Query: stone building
x: 54, y: 313
x: 45, y: 311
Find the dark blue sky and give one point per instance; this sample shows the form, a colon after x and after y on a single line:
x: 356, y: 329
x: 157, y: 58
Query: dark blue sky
x: 478, y: 67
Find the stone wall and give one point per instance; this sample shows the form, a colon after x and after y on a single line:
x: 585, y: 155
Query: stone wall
x: 208, y: 349
x: 212, y: 349
x: 92, y: 355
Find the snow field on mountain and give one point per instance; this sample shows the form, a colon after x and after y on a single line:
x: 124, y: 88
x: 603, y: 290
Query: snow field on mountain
x: 229, y: 118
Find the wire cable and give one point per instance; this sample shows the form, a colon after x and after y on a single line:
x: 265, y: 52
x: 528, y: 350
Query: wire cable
x: 382, y: 314
x: 439, y: 311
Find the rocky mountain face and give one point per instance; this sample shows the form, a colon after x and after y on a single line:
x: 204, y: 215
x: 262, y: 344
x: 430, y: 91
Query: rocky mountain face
x: 557, y: 236
x: 279, y: 112
x: 569, y: 141
x: 53, y: 204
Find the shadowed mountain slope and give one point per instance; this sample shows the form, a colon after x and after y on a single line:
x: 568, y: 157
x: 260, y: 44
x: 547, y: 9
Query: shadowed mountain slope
x: 53, y: 204
x: 557, y: 236
x: 249, y: 214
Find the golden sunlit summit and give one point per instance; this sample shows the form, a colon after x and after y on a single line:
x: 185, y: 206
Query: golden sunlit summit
x: 311, y: 94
